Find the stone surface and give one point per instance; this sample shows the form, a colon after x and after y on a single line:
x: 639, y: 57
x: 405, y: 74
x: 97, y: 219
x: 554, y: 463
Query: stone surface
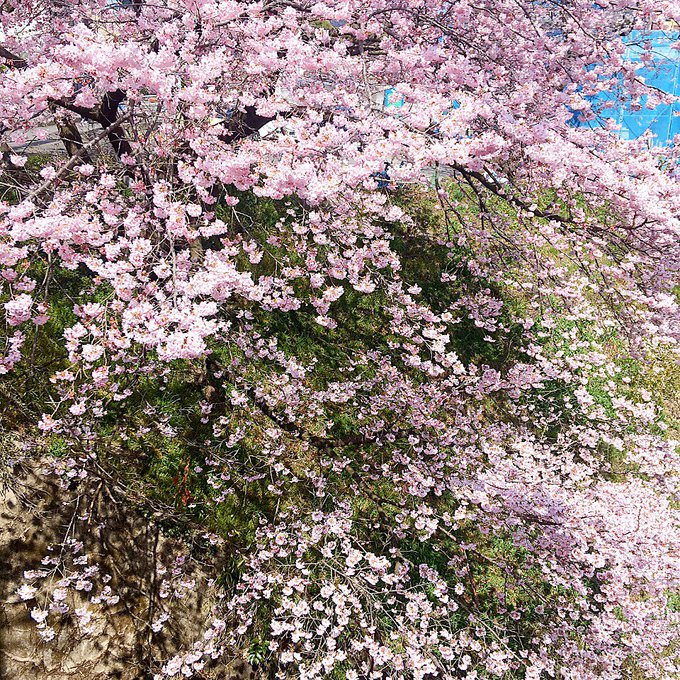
x: 36, y: 513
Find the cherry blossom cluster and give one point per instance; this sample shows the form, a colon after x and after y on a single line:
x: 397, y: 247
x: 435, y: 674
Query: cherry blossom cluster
x: 409, y: 359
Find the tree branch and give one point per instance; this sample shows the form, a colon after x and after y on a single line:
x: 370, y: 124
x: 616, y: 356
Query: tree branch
x: 72, y: 161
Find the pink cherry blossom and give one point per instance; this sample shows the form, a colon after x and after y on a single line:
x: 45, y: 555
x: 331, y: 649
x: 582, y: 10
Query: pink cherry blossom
x: 347, y: 274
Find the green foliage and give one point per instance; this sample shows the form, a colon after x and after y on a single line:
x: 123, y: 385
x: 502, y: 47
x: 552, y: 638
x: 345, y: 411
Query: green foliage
x: 164, y: 440
x: 257, y: 652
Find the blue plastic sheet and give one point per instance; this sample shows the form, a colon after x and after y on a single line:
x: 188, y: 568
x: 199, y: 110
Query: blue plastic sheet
x: 392, y: 99
x: 662, y: 121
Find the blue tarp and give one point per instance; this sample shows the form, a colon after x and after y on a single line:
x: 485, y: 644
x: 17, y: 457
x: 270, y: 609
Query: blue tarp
x: 663, y: 121
x: 392, y: 99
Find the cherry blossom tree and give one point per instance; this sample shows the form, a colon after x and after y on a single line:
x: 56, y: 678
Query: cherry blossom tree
x: 403, y: 366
